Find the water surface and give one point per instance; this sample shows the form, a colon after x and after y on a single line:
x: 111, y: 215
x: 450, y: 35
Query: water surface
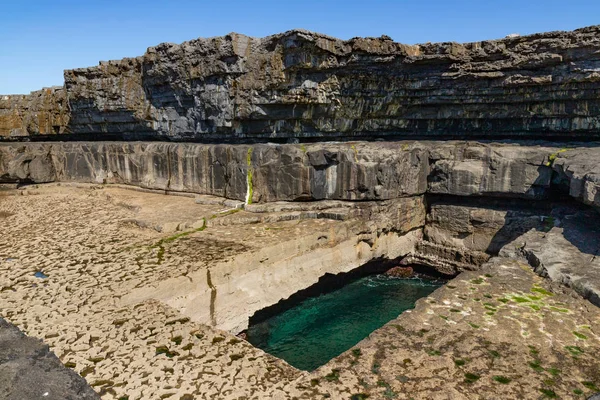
x: 320, y: 328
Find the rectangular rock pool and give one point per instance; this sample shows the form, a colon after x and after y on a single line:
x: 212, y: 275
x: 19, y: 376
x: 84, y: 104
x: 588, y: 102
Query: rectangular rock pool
x: 319, y: 328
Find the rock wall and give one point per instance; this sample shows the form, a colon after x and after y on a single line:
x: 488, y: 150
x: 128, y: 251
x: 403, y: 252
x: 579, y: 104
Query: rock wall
x: 236, y: 288
x: 480, y: 196
x: 353, y: 171
x: 303, y: 84
x: 463, y: 233
x: 43, y: 112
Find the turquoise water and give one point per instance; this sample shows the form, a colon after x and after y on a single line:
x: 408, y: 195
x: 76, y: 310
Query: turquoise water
x: 320, y: 328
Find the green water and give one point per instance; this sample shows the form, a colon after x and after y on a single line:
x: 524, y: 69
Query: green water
x: 320, y: 328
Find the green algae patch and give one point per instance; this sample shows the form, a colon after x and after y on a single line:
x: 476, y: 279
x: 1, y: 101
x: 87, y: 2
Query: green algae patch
x: 549, y: 393
x: 519, y: 299
x: 552, y: 157
x: 160, y: 244
x: 574, y: 350
x: 177, y: 340
x: 225, y: 213
x: 474, y: 326
x: 536, y: 366
x: 494, y: 354
x: 459, y: 362
x: 471, y: 378
x: 580, y: 335
x: 477, y: 281
x: 591, y: 386
x: 537, y: 289
x: 501, y: 379
x: 353, y: 147
x: 560, y: 310
x: 165, y: 350
x: 333, y: 376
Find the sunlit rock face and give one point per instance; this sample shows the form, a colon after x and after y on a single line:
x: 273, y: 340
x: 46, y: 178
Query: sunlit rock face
x: 304, y: 84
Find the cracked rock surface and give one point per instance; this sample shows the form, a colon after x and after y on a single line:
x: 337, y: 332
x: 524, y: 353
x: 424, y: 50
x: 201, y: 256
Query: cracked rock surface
x: 72, y: 253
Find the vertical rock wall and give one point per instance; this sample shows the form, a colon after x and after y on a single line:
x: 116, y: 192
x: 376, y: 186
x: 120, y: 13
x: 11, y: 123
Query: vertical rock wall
x: 300, y: 84
x: 43, y: 112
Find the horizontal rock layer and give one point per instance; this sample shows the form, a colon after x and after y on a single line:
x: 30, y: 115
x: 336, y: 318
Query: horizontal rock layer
x: 266, y: 173
x: 304, y: 84
x: 42, y: 112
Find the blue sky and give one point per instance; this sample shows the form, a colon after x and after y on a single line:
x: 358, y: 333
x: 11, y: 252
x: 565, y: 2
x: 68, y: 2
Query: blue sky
x: 39, y: 39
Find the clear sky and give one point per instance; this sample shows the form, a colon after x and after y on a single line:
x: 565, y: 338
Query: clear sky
x: 41, y: 38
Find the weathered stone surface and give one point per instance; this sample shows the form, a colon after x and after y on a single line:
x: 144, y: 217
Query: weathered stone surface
x: 445, y: 259
x: 462, y: 233
x: 304, y: 84
x: 499, y: 333
x: 565, y: 251
x: 579, y: 172
x: 29, y: 370
x: 43, y: 112
x: 327, y: 171
x: 521, y: 335
x: 494, y: 170
x: 27, y: 163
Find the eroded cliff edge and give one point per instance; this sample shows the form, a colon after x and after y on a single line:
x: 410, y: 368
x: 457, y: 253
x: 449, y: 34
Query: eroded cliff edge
x: 300, y: 84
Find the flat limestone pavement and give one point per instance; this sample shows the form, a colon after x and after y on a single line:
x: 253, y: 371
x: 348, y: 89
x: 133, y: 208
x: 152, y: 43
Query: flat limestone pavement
x: 70, y: 254
x: 90, y: 253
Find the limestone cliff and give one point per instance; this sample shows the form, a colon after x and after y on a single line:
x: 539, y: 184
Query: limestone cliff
x: 302, y: 84
x: 42, y: 112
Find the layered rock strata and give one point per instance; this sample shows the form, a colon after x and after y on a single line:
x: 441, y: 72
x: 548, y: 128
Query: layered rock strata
x: 43, y: 112
x: 301, y: 84
x: 461, y: 232
x: 356, y: 171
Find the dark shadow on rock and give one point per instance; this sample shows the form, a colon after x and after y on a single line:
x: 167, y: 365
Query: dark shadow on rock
x: 29, y: 370
x: 580, y: 223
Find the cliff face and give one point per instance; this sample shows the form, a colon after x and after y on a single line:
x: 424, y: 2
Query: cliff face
x: 43, y: 112
x: 303, y: 84
x: 266, y: 173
